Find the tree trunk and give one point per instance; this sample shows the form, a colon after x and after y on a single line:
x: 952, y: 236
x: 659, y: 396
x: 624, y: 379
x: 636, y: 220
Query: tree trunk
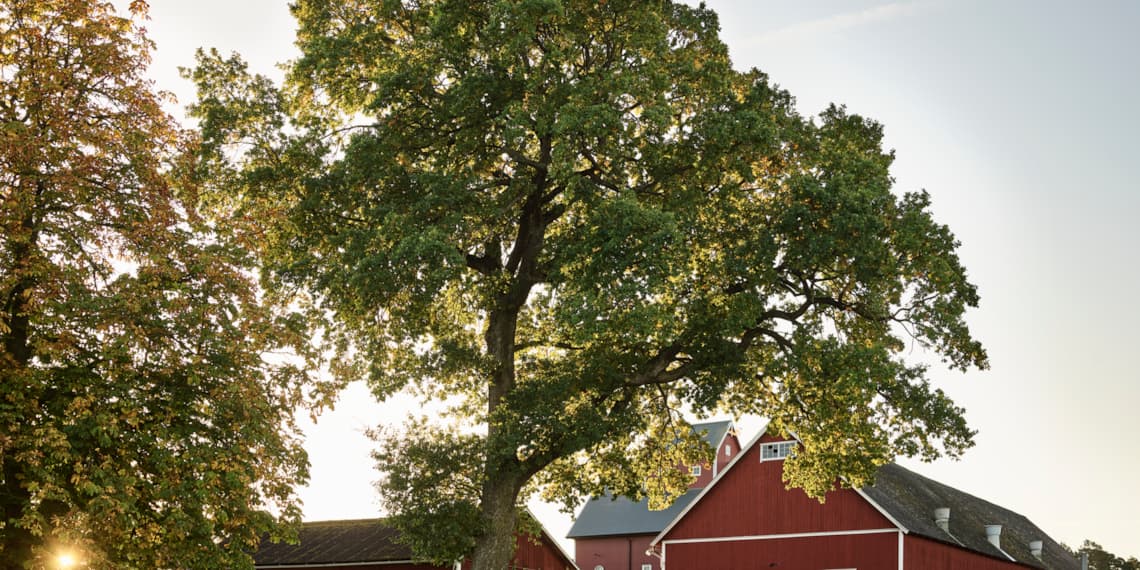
x: 496, y: 546
x: 16, y: 543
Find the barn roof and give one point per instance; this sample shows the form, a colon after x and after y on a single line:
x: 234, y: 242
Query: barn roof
x: 332, y: 542
x: 911, y: 499
x: 713, y: 432
x: 620, y: 516
x: 351, y: 543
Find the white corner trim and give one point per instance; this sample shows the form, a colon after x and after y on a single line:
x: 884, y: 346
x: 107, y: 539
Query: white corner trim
x: 901, y: 550
x: 782, y: 536
x: 336, y: 564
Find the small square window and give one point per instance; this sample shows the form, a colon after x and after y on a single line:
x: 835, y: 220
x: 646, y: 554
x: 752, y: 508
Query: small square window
x: 695, y: 470
x: 646, y: 567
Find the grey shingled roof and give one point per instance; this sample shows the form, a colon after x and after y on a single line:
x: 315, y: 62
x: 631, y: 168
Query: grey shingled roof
x: 911, y: 499
x: 713, y: 432
x: 325, y: 542
x: 609, y: 516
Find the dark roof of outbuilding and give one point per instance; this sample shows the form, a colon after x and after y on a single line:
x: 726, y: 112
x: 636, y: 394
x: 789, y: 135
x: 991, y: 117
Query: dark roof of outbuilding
x: 610, y: 516
x: 911, y: 499
x: 326, y: 542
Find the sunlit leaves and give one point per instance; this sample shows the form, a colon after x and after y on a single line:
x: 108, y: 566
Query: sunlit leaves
x: 143, y: 422
x: 579, y: 219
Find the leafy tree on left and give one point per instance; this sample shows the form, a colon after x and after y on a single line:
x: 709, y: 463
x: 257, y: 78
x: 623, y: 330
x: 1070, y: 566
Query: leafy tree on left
x: 144, y: 420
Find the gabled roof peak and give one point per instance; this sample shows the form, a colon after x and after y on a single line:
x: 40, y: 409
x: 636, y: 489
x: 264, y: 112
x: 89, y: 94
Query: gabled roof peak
x: 908, y: 500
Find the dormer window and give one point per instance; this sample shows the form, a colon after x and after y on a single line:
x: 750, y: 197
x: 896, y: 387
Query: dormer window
x: 777, y: 450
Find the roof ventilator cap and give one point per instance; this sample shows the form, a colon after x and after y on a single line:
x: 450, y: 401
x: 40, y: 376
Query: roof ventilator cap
x: 942, y: 518
x: 993, y: 534
x: 1035, y: 548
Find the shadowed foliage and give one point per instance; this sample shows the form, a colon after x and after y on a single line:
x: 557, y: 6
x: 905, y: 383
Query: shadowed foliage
x: 140, y: 424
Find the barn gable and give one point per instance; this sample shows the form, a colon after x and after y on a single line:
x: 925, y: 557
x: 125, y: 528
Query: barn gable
x: 748, y: 518
x: 750, y: 499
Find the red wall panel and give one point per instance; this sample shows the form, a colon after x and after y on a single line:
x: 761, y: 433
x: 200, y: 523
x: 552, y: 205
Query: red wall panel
x: 614, y: 553
x: 924, y: 554
x: 866, y: 552
x: 751, y: 499
x: 386, y: 566
x: 720, y: 460
x: 538, y: 554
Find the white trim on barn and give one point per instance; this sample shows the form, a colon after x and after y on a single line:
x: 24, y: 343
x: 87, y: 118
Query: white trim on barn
x: 781, y: 536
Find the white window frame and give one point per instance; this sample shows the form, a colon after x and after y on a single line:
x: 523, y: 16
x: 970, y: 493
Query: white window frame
x: 646, y: 567
x: 695, y: 470
x: 777, y: 450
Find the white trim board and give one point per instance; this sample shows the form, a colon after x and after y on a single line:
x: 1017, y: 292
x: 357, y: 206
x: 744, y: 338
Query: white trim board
x: 782, y: 536
x: 338, y: 564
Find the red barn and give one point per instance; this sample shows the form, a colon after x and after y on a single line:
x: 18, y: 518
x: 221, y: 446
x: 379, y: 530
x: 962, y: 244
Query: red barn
x: 748, y: 519
x: 613, y: 533
x: 369, y: 544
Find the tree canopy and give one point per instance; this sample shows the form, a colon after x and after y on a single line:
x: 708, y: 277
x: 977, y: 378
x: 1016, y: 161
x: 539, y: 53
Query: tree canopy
x: 140, y: 424
x: 575, y: 220
x: 1101, y: 559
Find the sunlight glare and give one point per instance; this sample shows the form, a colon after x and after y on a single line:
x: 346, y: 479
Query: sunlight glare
x: 66, y: 560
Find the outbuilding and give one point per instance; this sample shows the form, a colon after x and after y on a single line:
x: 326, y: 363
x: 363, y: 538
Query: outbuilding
x: 370, y: 544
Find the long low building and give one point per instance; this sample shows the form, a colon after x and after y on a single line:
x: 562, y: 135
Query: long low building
x: 370, y: 544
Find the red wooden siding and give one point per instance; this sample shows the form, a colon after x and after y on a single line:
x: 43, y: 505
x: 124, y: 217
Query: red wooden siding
x: 718, y: 464
x: 384, y: 566
x: 530, y: 555
x: 617, y: 552
x: 752, y: 500
x: 539, y: 554
x: 924, y: 554
x: 614, y: 552
x: 866, y: 552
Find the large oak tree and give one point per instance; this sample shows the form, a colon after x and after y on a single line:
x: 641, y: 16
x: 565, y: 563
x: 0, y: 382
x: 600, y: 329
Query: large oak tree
x: 140, y: 424
x: 574, y: 219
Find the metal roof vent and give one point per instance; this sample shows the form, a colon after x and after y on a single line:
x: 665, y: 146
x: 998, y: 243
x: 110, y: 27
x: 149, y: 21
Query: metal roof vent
x: 1035, y: 547
x: 993, y: 534
x: 942, y: 518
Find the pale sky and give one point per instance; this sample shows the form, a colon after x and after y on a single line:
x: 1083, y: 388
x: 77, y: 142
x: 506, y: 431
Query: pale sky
x: 1019, y: 118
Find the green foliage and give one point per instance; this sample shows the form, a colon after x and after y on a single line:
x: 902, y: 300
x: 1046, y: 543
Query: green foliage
x: 431, y: 494
x: 576, y: 218
x: 1100, y: 559
x: 141, y: 424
